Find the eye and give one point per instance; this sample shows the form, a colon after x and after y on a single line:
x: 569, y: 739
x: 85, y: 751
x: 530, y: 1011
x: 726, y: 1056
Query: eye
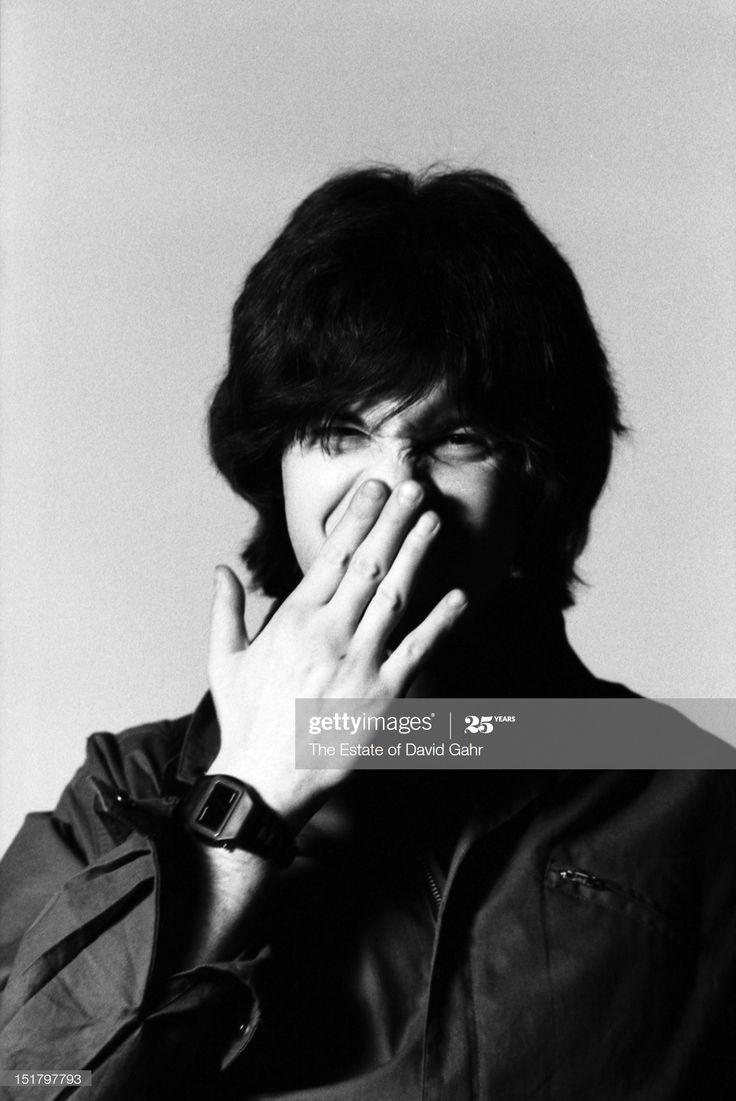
x: 336, y: 439
x: 462, y: 446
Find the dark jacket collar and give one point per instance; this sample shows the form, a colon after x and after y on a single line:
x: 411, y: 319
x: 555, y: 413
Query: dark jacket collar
x: 201, y: 742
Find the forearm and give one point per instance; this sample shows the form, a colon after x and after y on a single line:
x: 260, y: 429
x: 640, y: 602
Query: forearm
x: 209, y: 900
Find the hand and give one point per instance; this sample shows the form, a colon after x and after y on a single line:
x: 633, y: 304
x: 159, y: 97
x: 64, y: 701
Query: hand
x: 327, y: 640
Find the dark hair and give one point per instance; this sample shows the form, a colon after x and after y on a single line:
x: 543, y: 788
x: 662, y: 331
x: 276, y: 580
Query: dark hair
x: 383, y: 284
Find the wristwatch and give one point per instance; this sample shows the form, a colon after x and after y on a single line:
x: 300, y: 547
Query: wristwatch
x: 230, y: 814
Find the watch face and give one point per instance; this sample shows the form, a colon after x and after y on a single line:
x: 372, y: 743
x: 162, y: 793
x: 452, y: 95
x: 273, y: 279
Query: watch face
x: 226, y: 812
x: 217, y: 806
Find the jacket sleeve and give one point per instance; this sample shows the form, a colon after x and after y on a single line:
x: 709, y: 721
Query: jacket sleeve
x: 79, y: 917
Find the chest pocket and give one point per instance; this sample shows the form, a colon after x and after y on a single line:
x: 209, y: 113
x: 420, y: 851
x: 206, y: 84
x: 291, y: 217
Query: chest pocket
x: 581, y: 885
x: 621, y: 968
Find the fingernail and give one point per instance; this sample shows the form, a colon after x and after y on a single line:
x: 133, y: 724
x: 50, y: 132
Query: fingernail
x: 372, y: 490
x: 410, y: 492
x: 457, y: 599
x: 427, y: 523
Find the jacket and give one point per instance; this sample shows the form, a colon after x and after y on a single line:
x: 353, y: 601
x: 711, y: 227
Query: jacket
x: 529, y: 935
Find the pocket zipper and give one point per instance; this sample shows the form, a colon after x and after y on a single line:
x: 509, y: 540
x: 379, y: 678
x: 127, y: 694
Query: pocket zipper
x: 574, y: 875
x: 595, y: 883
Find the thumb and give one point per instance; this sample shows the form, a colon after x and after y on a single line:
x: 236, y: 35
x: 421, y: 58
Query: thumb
x: 227, y: 626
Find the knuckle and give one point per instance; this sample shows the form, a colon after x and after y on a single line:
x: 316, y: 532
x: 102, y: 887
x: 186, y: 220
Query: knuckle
x: 416, y: 650
x: 352, y: 661
x: 367, y: 568
x: 337, y: 555
x: 393, y: 599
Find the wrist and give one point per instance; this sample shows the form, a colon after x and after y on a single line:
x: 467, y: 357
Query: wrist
x: 221, y: 811
x: 293, y: 795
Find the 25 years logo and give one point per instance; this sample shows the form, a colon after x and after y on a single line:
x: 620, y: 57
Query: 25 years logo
x: 478, y: 724
x: 483, y: 724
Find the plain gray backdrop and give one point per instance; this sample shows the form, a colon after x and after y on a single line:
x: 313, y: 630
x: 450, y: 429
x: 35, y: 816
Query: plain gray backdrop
x: 148, y: 153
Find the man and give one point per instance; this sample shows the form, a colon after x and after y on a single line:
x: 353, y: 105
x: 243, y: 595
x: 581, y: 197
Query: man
x: 419, y: 408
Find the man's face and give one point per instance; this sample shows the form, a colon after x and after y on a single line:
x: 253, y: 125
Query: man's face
x: 430, y: 442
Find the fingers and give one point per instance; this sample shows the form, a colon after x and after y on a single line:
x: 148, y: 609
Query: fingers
x: 227, y: 627
x: 390, y: 599
x: 327, y: 571
x: 413, y: 651
x: 370, y: 565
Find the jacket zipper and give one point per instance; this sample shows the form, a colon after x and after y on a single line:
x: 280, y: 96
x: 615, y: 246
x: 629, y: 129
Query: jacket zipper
x: 435, y: 892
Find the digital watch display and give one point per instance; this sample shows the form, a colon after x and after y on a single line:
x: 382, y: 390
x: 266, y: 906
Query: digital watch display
x: 228, y: 813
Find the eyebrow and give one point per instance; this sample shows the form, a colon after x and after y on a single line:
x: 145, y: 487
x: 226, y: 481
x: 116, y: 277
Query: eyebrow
x: 434, y: 422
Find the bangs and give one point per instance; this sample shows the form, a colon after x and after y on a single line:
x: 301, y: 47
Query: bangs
x: 392, y: 326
